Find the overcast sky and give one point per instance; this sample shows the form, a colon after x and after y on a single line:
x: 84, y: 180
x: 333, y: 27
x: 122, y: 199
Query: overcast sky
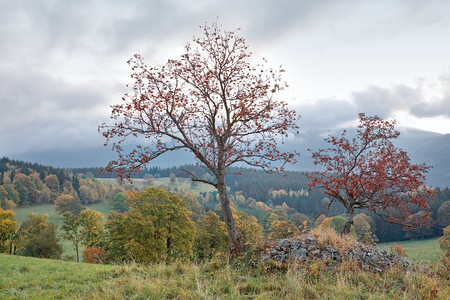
x: 62, y: 63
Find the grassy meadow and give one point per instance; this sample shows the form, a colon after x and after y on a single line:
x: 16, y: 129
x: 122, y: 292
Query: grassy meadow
x: 426, y: 251
x: 180, y: 183
x: 219, y: 278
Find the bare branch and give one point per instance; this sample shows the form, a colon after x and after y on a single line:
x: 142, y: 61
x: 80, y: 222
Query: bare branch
x: 195, y: 178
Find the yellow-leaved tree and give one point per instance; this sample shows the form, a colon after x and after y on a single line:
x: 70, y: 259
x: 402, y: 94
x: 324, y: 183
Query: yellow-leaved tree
x: 156, y: 228
x: 8, y: 227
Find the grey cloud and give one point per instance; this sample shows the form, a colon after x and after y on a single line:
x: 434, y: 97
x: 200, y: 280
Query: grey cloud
x: 439, y: 106
x: 383, y: 101
x: 41, y: 27
x: 41, y: 107
x: 326, y: 114
x: 375, y: 100
x: 40, y: 112
x: 273, y: 19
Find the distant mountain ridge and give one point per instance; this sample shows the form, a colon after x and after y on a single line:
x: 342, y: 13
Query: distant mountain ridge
x: 422, y: 146
x: 433, y: 150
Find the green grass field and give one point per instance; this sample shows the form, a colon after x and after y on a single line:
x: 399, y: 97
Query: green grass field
x: 23, y: 212
x: 422, y: 251
x: 180, y: 183
x: 32, y: 278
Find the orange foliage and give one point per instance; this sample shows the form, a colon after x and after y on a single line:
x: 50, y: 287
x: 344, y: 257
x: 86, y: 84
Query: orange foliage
x: 94, y: 255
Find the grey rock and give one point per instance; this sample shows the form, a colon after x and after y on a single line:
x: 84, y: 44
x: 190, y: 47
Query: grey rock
x: 312, y: 248
x: 315, y: 252
x: 331, y: 250
x: 369, y: 257
x: 326, y: 256
x: 300, y: 253
x: 336, y: 257
x: 285, y: 243
x: 295, y: 244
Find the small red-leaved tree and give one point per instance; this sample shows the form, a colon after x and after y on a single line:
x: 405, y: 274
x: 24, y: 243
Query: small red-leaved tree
x: 369, y: 172
x: 211, y: 102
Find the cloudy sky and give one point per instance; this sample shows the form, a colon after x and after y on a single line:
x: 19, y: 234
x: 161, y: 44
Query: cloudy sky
x: 62, y: 63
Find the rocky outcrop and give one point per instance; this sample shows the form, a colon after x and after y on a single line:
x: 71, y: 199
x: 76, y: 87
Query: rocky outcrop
x: 305, y: 248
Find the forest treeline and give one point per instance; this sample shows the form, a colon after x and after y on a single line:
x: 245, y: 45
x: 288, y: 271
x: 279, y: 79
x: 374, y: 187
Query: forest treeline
x: 254, y: 192
x: 23, y: 184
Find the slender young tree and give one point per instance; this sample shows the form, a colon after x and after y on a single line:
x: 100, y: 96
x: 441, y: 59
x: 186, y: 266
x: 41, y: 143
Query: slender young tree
x: 211, y: 102
x: 83, y: 229
x: 369, y: 172
x: 72, y: 230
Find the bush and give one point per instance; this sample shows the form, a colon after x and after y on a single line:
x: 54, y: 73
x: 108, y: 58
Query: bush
x: 94, y: 255
x: 249, y: 228
x: 283, y: 229
x: 398, y: 250
x: 337, y: 224
x: 68, y: 203
x: 362, y: 229
x: 444, y: 241
x: 211, y: 237
x: 37, y: 238
x: 443, y: 214
x: 301, y: 221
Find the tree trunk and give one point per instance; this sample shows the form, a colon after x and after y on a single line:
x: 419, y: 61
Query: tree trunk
x: 348, y: 222
x: 76, y: 248
x: 234, y: 237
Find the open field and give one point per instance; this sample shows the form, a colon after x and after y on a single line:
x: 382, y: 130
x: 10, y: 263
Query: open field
x: 422, y: 251
x: 32, y: 278
x: 23, y: 212
x: 181, y: 183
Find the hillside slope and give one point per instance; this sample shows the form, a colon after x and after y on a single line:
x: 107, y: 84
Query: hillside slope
x: 32, y: 278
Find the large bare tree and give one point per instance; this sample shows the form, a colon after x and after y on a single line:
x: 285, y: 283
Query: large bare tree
x: 211, y: 102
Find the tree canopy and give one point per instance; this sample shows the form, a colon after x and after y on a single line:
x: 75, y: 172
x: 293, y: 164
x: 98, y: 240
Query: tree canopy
x: 157, y: 227
x: 211, y: 102
x: 369, y: 172
x: 37, y: 237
